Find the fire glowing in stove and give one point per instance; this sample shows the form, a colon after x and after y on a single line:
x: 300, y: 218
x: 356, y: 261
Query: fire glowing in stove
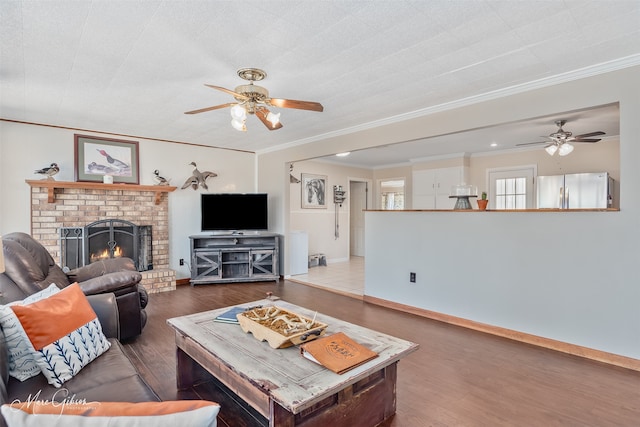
x: 117, y: 253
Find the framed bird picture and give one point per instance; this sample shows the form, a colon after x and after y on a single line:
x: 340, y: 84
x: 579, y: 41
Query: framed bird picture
x: 97, y: 157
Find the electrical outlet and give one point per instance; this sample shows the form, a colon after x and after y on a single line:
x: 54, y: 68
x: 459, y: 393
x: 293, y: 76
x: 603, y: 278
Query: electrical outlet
x: 181, y: 261
x: 412, y: 277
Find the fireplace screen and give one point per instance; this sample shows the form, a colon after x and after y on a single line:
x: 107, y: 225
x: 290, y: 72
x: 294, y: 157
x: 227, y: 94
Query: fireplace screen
x: 110, y: 238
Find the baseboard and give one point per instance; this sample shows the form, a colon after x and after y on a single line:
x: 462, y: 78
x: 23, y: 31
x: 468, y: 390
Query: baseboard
x: 325, y: 288
x: 183, y: 282
x: 576, y: 350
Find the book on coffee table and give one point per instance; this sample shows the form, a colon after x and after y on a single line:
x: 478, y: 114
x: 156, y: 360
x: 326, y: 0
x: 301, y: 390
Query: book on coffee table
x: 337, y: 352
x: 229, y: 316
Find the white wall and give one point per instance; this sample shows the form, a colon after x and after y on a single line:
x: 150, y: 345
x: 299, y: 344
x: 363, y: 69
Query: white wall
x: 568, y: 276
x: 24, y: 148
x: 565, y: 276
x: 320, y: 223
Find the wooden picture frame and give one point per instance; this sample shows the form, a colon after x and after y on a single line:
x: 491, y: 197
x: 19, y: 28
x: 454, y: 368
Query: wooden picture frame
x: 314, y: 191
x: 95, y: 157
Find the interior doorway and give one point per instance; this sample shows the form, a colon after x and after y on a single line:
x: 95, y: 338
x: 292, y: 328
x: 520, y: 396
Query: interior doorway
x: 358, y: 203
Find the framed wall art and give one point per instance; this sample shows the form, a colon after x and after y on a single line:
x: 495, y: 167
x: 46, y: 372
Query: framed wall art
x: 96, y: 157
x: 314, y: 194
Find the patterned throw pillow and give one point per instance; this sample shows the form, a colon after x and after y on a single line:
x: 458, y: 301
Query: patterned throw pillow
x: 192, y: 413
x: 64, y: 332
x: 22, y: 364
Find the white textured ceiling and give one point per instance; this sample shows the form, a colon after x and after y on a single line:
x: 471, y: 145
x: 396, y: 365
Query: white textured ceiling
x: 134, y: 67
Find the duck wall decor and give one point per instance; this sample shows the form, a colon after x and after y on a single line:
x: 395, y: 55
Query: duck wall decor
x: 292, y: 179
x: 198, y: 178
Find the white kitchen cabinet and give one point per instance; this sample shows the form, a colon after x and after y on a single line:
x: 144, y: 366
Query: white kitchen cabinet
x: 432, y: 187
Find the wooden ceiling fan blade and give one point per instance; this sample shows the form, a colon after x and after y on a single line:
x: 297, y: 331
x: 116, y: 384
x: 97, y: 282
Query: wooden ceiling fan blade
x: 292, y: 103
x: 262, y: 114
x: 588, y: 135
x: 215, y: 107
x: 229, y: 91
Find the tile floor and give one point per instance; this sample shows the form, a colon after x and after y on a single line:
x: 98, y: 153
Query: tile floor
x: 346, y: 278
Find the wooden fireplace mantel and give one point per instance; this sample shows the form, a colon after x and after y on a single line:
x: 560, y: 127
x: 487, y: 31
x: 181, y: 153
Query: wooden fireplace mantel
x: 51, y: 185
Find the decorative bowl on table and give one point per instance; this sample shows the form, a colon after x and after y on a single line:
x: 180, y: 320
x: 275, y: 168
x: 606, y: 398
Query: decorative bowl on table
x: 462, y: 190
x: 279, y: 327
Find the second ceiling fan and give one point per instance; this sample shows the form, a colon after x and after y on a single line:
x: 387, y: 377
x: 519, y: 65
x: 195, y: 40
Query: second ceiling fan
x: 254, y: 99
x: 560, y: 139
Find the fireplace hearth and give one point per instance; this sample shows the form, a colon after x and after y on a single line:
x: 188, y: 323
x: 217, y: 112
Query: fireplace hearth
x: 109, y: 238
x: 56, y: 205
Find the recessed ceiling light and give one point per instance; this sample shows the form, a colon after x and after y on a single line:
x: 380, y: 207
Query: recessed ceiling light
x: 493, y: 144
x: 345, y: 154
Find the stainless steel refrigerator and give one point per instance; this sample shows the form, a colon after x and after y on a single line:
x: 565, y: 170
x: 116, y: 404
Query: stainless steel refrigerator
x: 575, y: 191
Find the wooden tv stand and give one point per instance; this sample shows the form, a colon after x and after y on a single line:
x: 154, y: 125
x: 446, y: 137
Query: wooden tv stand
x: 234, y: 257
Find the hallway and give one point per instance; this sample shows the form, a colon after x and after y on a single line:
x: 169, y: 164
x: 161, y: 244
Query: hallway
x: 345, y: 278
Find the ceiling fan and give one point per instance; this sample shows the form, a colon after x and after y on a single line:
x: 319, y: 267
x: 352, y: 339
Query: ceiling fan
x: 560, y: 140
x: 254, y: 99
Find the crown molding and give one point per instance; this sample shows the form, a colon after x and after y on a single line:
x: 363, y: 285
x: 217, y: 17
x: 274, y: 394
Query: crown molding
x: 581, y: 73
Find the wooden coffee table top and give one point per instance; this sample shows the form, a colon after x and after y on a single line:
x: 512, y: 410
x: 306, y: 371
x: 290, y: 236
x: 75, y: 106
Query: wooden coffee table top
x: 288, y: 378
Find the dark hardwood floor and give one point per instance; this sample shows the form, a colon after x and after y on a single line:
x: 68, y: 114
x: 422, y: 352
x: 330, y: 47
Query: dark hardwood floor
x: 459, y: 377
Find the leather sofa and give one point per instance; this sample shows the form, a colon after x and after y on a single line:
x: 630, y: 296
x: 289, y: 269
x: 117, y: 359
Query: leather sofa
x: 110, y: 377
x: 30, y: 268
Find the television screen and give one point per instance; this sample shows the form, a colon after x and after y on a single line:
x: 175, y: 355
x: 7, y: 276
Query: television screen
x: 235, y: 212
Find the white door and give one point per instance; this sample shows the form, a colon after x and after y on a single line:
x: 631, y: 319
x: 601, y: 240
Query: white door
x: 357, y: 206
x: 511, y: 188
x: 424, y: 189
x: 445, y: 179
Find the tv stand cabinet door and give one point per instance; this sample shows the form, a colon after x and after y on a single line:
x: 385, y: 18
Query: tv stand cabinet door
x: 264, y: 263
x: 205, y: 266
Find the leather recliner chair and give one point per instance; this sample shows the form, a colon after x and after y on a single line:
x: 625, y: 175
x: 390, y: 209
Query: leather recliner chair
x: 31, y: 268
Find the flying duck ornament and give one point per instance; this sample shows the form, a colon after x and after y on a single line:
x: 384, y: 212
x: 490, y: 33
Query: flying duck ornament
x: 49, y: 172
x: 160, y: 180
x: 198, y: 178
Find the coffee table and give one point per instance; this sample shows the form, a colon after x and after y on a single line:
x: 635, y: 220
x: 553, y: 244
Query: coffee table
x: 281, y: 385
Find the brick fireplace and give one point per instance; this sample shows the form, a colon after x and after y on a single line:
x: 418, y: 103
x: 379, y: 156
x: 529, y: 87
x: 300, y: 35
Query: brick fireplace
x: 75, y: 204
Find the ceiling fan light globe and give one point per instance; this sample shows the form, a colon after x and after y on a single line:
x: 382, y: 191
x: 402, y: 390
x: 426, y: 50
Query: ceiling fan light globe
x: 239, y: 125
x: 565, y: 149
x: 274, y: 118
x: 238, y: 112
x: 551, y: 149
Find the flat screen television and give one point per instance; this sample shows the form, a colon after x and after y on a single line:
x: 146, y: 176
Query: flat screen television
x: 234, y: 211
